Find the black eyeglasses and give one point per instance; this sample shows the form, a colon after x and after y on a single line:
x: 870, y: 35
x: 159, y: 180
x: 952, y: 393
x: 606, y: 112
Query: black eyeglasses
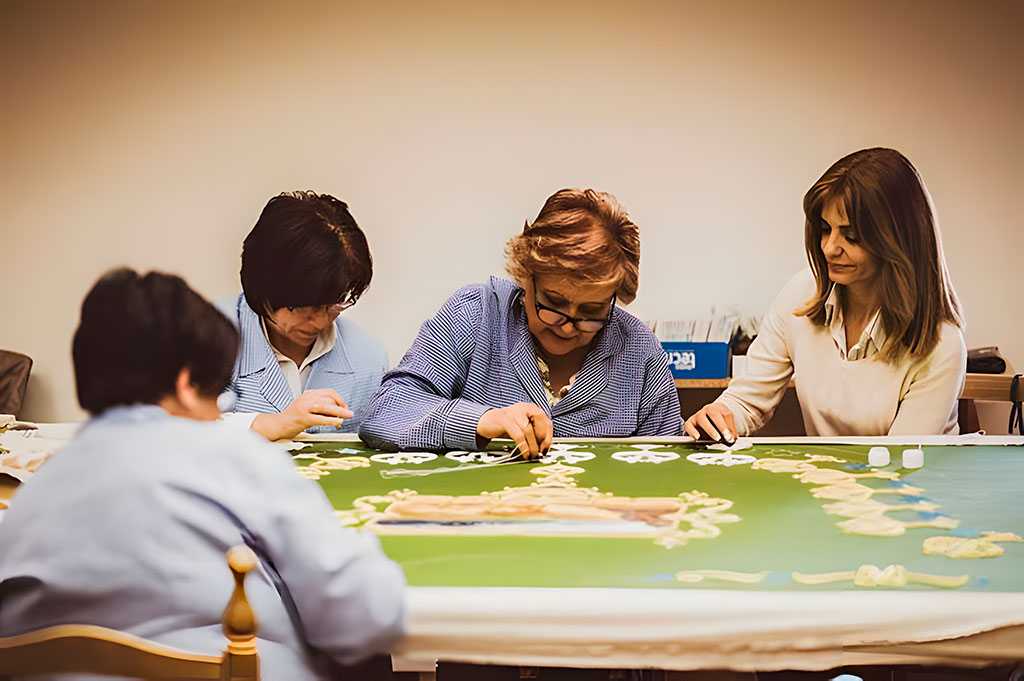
x: 311, y: 310
x: 553, y: 317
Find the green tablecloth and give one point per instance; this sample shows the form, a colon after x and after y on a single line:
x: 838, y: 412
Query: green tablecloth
x: 779, y: 528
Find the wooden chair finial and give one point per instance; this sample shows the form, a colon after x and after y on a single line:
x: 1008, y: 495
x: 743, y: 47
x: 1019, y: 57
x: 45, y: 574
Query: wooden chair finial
x: 239, y: 622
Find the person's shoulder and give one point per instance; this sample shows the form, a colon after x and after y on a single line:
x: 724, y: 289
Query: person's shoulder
x: 217, y: 460
x: 949, y: 331
x: 204, y: 436
x: 950, y: 352
x: 171, y: 444
x: 467, y: 293
x: 951, y: 342
x: 799, y: 288
x: 794, y: 294
x: 503, y: 288
x: 359, y: 341
x: 495, y: 288
x: 492, y: 294
x: 636, y: 334
x: 217, y: 444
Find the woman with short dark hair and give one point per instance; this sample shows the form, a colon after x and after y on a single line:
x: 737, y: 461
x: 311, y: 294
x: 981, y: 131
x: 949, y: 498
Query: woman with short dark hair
x: 301, y: 365
x: 127, y: 526
x: 137, y: 338
x: 546, y: 355
x: 872, y: 333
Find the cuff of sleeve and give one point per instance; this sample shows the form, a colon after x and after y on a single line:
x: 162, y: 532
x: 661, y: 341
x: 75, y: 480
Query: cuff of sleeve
x: 239, y: 420
x: 460, y: 426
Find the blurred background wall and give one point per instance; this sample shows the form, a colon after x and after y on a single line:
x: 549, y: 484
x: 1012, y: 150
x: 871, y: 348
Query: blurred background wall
x: 152, y: 133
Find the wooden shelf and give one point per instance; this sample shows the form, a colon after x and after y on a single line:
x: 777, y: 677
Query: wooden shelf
x: 995, y: 387
x: 702, y: 382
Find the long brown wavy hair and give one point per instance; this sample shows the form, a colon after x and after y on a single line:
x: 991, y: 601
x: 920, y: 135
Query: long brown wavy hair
x: 890, y: 210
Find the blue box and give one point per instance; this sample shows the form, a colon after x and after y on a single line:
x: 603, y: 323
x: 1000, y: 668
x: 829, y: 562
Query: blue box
x: 697, y: 360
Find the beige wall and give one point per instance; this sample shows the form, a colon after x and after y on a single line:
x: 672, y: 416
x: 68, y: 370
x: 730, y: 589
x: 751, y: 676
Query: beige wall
x: 151, y: 134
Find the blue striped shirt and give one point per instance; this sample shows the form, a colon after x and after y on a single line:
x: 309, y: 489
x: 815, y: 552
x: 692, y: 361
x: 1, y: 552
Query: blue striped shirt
x: 477, y: 353
x: 353, y: 367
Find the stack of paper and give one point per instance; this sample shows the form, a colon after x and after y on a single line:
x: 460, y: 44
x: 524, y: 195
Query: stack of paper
x: 715, y: 329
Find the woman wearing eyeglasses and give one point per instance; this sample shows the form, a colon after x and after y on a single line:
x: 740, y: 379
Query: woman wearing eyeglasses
x: 301, y: 365
x: 546, y: 355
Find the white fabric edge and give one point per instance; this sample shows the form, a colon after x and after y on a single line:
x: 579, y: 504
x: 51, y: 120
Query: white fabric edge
x: 65, y: 431
x: 325, y: 437
x: 692, y: 629
x: 239, y: 420
x: 967, y: 439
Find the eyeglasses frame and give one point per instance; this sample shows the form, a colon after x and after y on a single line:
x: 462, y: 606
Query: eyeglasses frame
x: 538, y: 306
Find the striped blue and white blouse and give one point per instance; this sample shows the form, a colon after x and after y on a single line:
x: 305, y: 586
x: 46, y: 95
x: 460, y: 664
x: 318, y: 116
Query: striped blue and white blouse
x: 353, y: 367
x: 477, y: 353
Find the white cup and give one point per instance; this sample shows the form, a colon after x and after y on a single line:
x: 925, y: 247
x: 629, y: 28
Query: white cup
x: 878, y: 457
x: 913, y: 458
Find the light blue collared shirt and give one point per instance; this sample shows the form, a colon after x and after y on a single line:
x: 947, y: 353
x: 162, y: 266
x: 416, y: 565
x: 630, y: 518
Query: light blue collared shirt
x: 353, y: 367
x: 128, y: 525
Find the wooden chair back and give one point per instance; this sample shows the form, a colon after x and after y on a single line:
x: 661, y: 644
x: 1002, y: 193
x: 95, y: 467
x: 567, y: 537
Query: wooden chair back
x: 88, y: 649
x: 14, y: 370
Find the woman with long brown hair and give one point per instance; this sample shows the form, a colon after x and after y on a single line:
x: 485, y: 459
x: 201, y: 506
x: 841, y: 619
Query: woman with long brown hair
x: 872, y: 333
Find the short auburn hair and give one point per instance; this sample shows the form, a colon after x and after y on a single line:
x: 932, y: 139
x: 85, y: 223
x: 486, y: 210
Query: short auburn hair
x: 136, y: 334
x: 305, y: 249
x: 581, y: 232
x: 891, y: 212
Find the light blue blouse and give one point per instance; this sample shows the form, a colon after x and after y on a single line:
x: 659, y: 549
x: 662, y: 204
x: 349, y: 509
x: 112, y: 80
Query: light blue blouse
x: 353, y: 367
x: 128, y: 525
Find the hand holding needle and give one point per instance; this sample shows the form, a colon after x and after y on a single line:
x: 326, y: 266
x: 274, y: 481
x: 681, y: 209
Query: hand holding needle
x: 716, y: 420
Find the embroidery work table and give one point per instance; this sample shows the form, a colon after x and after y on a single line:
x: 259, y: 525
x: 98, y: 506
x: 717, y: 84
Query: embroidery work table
x: 793, y: 553
x: 659, y: 553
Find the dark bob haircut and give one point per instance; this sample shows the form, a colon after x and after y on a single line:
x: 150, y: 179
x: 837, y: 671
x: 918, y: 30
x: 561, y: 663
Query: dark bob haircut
x: 305, y: 249
x: 137, y: 333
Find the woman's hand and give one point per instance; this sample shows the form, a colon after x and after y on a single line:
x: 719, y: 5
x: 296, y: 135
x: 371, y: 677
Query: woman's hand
x: 714, y: 419
x: 321, y: 407
x: 524, y: 422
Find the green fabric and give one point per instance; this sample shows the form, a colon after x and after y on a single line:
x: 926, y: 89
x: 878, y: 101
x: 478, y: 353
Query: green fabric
x: 782, y: 528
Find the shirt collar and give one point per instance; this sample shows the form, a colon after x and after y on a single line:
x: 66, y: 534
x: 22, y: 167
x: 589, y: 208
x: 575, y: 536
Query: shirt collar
x: 832, y: 305
x: 870, y: 341
x: 253, y: 355
x: 129, y: 413
x: 321, y: 346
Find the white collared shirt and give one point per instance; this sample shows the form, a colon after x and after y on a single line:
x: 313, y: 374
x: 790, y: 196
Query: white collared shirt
x: 871, y: 339
x: 298, y: 376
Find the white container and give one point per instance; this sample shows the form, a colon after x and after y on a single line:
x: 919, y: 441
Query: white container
x: 913, y: 458
x: 878, y: 457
